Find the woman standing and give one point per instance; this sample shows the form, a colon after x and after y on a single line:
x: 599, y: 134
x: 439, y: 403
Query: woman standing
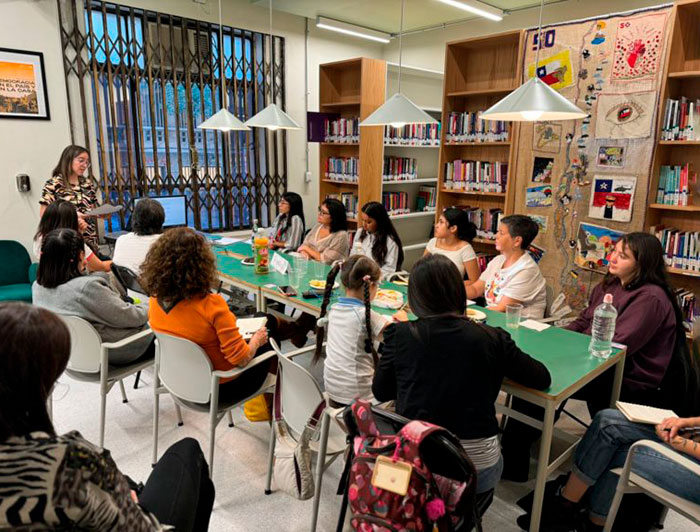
x: 328, y: 240
x: 378, y: 239
x: 287, y: 230
x: 68, y: 182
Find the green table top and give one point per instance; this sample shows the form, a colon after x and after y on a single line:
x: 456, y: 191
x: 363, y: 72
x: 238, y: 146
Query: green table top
x: 564, y: 352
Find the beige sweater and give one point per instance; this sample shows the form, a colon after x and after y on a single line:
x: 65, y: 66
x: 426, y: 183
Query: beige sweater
x: 333, y: 247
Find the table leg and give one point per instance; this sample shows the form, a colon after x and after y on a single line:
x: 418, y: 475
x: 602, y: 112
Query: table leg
x: 542, y: 465
x: 260, y: 301
x: 617, y: 382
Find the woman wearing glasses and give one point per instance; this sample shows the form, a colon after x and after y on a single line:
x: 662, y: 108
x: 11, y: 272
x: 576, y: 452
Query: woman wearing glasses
x: 69, y: 182
x: 287, y: 231
x: 328, y: 240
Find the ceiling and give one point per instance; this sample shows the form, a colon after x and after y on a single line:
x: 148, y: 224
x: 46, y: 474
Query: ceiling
x: 383, y: 15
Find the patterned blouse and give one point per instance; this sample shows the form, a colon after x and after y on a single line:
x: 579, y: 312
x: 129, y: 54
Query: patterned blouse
x: 65, y: 483
x: 291, y: 236
x: 84, y: 197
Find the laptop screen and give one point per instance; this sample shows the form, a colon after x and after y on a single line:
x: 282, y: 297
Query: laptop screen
x: 175, y: 208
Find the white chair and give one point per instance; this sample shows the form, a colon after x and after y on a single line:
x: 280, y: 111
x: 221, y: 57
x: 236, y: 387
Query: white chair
x: 89, y: 361
x: 630, y: 482
x: 299, y: 398
x: 186, y: 372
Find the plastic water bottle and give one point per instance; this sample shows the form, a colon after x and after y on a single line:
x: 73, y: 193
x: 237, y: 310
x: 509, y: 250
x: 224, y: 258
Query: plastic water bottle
x: 255, y: 233
x: 603, y: 330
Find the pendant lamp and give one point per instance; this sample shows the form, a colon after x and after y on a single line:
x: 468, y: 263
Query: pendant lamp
x: 398, y: 110
x: 223, y: 120
x: 272, y: 117
x: 534, y: 100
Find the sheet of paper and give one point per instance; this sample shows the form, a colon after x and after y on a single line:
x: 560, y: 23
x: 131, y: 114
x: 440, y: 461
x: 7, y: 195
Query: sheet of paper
x: 104, y: 209
x: 470, y: 302
x: 279, y: 264
x: 225, y: 241
x: 248, y: 326
x: 534, y: 325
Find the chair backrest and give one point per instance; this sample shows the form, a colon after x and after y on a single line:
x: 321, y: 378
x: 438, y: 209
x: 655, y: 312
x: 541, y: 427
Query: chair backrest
x: 300, y: 394
x: 127, y: 278
x: 14, y: 266
x: 184, y: 368
x: 85, y: 345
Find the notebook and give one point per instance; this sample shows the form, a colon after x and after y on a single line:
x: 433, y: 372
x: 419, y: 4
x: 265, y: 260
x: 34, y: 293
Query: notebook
x: 248, y: 326
x: 644, y: 414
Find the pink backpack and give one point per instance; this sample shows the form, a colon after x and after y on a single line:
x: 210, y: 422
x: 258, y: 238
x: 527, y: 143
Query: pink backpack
x: 430, y: 503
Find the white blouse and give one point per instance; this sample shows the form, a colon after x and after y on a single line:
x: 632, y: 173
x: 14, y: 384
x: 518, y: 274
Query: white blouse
x: 364, y: 247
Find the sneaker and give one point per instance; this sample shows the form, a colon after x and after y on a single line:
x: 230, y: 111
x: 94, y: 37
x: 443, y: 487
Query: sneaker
x: 559, y: 515
x: 551, y: 489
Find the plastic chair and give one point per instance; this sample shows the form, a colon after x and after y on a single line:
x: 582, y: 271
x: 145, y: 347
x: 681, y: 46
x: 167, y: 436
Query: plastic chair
x: 89, y: 361
x: 17, y: 273
x: 186, y: 372
x: 630, y: 482
x: 300, y: 396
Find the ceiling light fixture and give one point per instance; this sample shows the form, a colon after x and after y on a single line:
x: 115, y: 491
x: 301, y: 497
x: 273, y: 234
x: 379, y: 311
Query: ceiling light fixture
x: 534, y: 100
x: 352, y: 29
x: 477, y: 8
x: 398, y: 110
x: 272, y: 117
x: 223, y: 120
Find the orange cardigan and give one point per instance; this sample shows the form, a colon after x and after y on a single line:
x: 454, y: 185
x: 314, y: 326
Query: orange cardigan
x: 208, y: 322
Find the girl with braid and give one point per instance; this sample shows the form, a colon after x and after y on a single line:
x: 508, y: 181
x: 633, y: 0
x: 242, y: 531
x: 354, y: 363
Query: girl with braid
x: 353, y: 328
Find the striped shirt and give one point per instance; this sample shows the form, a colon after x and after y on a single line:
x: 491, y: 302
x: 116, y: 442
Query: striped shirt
x: 290, y: 235
x: 483, y: 452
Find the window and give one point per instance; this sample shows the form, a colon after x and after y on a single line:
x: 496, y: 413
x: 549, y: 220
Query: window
x: 145, y: 81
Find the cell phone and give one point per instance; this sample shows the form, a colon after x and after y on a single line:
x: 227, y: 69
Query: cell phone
x: 288, y: 291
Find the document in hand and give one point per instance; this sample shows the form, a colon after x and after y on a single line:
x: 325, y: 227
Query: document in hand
x: 104, y: 210
x: 248, y: 326
x: 644, y: 414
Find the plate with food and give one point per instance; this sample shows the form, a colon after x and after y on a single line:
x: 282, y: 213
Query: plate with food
x: 387, y: 298
x: 320, y: 284
x: 248, y: 261
x: 476, y: 315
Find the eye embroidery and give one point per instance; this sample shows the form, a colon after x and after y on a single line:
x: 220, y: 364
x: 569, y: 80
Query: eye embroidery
x: 624, y: 113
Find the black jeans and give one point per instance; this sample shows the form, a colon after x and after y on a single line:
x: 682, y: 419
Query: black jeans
x: 179, y: 491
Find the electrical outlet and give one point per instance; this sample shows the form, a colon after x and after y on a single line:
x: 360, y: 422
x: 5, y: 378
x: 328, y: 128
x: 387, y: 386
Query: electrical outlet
x: 307, y: 177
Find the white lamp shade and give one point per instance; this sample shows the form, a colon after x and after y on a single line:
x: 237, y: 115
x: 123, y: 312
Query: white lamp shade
x: 397, y: 111
x: 223, y: 121
x: 272, y: 117
x: 533, y: 101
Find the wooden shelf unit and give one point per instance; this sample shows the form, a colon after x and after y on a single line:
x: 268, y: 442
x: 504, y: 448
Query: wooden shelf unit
x: 470, y: 86
x: 681, y: 78
x: 354, y: 88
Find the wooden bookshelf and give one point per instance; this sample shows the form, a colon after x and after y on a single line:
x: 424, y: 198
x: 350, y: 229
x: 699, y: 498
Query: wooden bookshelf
x: 469, y: 86
x: 681, y: 78
x: 353, y: 88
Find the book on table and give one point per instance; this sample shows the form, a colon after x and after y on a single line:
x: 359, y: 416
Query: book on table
x: 248, y: 326
x: 648, y: 415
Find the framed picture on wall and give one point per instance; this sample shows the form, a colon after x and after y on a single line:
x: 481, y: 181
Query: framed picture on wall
x: 23, y: 85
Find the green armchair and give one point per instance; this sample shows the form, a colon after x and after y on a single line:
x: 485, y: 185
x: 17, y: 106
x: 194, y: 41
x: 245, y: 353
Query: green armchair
x: 17, y: 273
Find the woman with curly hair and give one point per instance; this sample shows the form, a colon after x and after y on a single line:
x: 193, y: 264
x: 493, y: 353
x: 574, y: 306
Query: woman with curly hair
x: 178, y: 273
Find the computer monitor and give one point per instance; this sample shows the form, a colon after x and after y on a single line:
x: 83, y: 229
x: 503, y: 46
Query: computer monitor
x: 175, y: 208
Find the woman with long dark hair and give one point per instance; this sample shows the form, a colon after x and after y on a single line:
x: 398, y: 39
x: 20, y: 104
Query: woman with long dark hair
x: 659, y: 371
x: 448, y: 370
x: 378, y: 239
x: 453, y: 239
x: 69, y: 182
x: 328, y: 240
x: 287, y: 230
x: 64, y: 482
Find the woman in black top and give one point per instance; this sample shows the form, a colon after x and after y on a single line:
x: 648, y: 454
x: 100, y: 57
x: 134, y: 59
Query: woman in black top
x: 445, y: 369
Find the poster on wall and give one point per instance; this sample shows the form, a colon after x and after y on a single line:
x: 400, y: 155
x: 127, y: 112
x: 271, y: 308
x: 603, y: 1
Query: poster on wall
x: 547, y: 137
x: 638, y: 47
x: 612, y: 198
x: 541, y: 222
x: 625, y: 116
x: 542, y: 168
x: 611, y: 156
x: 594, y: 245
x: 539, y: 196
x: 23, y: 85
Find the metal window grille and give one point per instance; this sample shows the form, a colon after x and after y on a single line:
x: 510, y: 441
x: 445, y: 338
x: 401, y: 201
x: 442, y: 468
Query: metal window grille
x: 139, y: 83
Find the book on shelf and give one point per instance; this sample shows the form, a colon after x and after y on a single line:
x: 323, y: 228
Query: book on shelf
x: 342, y: 169
x: 690, y: 307
x: 426, y: 198
x: 342, y: 130
x: 399, y: 169
x: 648, y: 415
x: 469, y: 127
x: 413, y: 135
x: 349, y: 201
x: 396, y: 202
x: 483, y: 259
x: 485, y: 220
x: 680, y: 120
x: 676, y: 184
x: 481, y: 176
x: 681, y: 248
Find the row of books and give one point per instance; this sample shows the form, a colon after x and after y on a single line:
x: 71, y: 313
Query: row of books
x: 689, y: 305
x: 486, y: 220
x: 426, y: 198
x: 399, y: 169
x: 483, y: 259
x: 349, y: 201
x: 681, y: 248
x: 481, y: 176
x: 342, y: 130
x: 413, y: 135
x: 469, y: 127
x: 342, y: 169
x: 680, y: 120
x: 675, y: 185
x: 396, y: 202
